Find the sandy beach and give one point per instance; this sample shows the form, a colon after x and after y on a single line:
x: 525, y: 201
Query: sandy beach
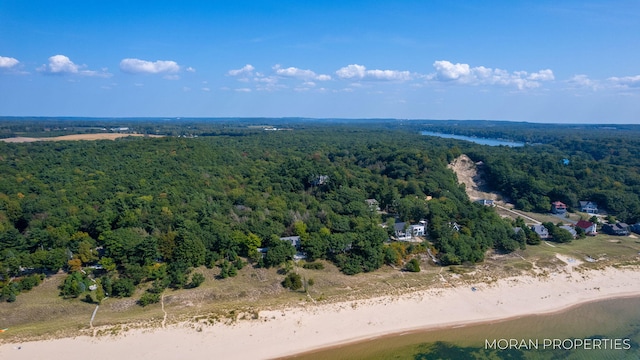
x: 310, y: 326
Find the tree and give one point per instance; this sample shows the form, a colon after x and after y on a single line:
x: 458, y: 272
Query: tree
x: 123, y: 288
x: 86, y: 254
x: 73, y: 285
x: 279, y: 251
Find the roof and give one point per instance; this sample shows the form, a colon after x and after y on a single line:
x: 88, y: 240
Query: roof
x: 583, y: 224
x: 558, y: 203
x: 587, y: 203
x: 399, y: 226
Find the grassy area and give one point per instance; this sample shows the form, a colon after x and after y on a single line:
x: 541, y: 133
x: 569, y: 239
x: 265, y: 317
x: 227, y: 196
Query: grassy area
x: 41, y: 313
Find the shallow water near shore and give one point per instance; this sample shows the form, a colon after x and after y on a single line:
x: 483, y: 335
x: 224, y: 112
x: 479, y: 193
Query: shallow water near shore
x: 608, y: 329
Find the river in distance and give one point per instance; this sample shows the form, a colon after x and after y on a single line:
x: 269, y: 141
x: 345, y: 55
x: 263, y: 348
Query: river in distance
x: 608, y: 329
x: 477, y: 140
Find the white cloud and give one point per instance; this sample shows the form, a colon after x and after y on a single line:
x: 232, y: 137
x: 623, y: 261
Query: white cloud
x: 137, y: 66
x: 542, y: 75
x: 243, y: 90
x: 266, y: 79
x: 206, y: 89
x: 300, y: 73
x: 355, y: 71
x: 390, y: 75
x: 8, y: 62
x: 190, y: 69
x: 626, y: 81
x: 582, y: 81
x: 245, y: 70
x: 62, y: 65
x: 447, y: 71
x: 352, y: 71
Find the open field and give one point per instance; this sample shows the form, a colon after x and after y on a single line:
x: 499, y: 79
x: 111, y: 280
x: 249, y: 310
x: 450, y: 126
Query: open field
x: 98, y: 136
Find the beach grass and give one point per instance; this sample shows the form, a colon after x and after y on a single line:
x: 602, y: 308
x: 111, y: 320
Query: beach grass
x: 41, y: 313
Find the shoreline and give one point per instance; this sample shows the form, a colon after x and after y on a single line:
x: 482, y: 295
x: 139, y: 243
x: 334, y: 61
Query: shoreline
x: 312, y: 327
x: 452, y: 326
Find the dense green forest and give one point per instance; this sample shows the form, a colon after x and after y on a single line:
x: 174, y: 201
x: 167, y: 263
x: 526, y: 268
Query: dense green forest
x: 147, y: 210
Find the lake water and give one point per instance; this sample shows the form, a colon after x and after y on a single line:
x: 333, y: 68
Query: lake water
x: 477, y: 140
x: 611, y: 324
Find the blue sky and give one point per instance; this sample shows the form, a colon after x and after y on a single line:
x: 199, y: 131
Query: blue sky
x: 538, y: 61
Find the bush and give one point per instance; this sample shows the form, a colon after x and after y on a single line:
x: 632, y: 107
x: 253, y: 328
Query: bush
x: 413, y: 265
x: 293, y: 281
x: 148, y: 298
x: 196, y: 280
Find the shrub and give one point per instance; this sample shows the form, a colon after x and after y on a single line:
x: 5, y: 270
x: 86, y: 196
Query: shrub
x: 196, y: 280
x: 148, y: 298
x: 413, y: 265
x: 293, y: 281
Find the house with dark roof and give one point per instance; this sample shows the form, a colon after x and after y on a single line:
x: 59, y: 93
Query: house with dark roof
x: 558, y: 207
x: 636, y: 228
x: 589, y: 207
x: 588, y: 227
x: 619, y: 229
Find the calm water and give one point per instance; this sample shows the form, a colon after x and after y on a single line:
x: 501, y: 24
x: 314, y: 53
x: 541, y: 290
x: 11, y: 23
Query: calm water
x: 600, y: 322
x: 477, y: 140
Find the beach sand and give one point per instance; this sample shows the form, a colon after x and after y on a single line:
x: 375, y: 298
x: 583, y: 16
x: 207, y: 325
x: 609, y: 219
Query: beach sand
x: 289, y: 331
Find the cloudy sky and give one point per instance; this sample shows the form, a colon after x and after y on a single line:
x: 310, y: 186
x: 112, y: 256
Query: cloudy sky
x: 539, y: 61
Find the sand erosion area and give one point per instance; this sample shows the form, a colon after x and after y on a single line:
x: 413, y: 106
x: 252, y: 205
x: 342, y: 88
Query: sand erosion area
x: 310, y: 326
x: 98, y: 136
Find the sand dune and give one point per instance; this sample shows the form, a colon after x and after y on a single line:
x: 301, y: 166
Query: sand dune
x: 288, y: 331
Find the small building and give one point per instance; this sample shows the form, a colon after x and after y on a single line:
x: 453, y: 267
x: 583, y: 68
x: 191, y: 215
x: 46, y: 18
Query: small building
x: 486, y: 202
x: 320, y: 180
x: 406, y: 232
x: 418, y: 229
x: 588, y: 227
x: 373, y: 204
x: 635, y: 228
x: 542, y: 231
x: 558, y: 207
x: 293, y: 240
x: 589, y: 207
x: 618, y: 229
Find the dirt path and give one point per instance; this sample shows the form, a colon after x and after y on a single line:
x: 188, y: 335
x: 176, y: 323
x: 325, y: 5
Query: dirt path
x: 164, y: 319
x: 519, y: 214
